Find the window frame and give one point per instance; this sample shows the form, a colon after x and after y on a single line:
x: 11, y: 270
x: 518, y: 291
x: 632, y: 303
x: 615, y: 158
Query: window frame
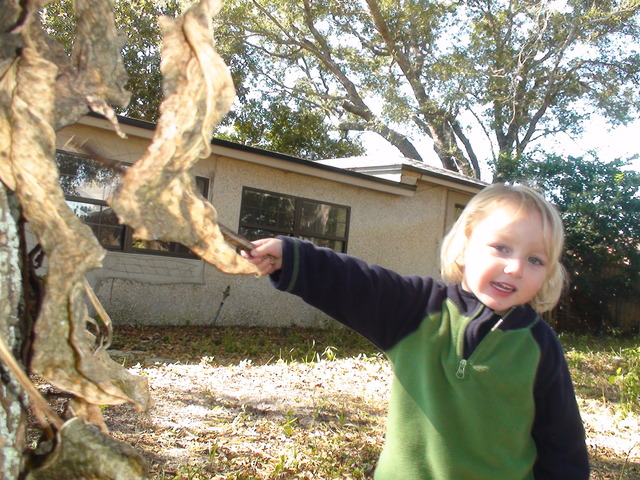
x: 128, y: 241
x: 297, y: 230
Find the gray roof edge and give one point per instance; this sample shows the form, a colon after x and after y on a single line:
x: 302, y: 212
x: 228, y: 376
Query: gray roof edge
x: 441, y: 173
x: 134, y: 122
x: 406, y: 163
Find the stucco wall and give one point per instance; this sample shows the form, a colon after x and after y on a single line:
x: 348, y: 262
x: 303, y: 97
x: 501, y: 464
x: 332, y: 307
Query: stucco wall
x: 396, y: 231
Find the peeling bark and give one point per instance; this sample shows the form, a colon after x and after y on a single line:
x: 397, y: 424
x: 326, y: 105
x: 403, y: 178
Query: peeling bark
x: 12, y: 415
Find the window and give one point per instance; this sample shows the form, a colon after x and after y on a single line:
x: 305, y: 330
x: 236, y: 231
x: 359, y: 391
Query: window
x: 87, y: 184
x: 267, y: 214
x: 456, y: 203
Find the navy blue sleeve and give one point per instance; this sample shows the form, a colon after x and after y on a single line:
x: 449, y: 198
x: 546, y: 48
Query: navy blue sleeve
x: 557, y: 429
x: 376, y: 302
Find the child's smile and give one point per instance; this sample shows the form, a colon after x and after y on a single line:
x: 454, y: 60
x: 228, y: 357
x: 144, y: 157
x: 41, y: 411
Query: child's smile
x: 505, y: 260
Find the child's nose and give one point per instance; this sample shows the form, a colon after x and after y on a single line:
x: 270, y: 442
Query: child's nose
x: 513, y: 267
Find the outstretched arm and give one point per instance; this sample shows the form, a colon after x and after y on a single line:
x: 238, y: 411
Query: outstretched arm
x: 376, y: 302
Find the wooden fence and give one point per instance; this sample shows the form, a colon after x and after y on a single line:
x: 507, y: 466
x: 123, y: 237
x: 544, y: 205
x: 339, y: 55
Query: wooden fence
x: 625, y: 313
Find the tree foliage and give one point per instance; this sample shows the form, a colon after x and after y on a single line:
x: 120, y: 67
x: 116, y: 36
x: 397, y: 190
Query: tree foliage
x: 279, y: 127
x: 515, y: 71
x: 276, y: 125
x: 600, y: 206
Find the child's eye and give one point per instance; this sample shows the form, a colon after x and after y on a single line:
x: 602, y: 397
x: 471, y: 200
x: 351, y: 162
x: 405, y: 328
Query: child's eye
x: 536, y: 261
x: 501, y: 248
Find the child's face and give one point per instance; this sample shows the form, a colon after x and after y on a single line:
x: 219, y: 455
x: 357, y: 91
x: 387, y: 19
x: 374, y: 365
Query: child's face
x: 505, y: 263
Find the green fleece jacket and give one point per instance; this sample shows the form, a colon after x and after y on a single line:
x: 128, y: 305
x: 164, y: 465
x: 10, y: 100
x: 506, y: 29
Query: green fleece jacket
x: 474, y: 396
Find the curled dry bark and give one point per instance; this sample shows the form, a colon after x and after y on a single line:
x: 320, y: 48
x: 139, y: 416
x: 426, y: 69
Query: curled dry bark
x: 157, y: 196
x: 41, y: 90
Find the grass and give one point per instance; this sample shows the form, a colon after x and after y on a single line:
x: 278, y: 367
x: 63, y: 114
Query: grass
x: 333, y: 440
x: 605, y: 368
x: 230, y: 345
x: 606, y: 371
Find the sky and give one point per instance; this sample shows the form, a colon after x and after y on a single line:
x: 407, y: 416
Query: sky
x: 620, y: 142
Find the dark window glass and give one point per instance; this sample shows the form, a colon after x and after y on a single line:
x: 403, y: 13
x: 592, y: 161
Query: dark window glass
x: 268, y: 210
x: 103, y: 222
x: 267, y: 214
x: 323, y: 218
x: 87, y: 184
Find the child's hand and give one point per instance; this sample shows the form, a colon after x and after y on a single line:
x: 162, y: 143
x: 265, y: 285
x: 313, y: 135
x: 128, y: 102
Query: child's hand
x: 267, y: 255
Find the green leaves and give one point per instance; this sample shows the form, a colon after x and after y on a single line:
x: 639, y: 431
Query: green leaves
x: 513, y: 72
x: 600, y: 205
x: 459, y: 73
x: 297, y: 131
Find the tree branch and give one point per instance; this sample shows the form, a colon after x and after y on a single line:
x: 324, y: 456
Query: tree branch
x: 398, y: 140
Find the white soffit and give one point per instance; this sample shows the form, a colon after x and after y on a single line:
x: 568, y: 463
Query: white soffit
x: 318, y: 170
x: 407, y: 171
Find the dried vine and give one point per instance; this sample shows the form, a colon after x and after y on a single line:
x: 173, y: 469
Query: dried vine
x: 42, y: 90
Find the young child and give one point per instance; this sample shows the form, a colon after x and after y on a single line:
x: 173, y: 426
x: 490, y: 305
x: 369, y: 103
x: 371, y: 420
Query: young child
x: 481, y: 388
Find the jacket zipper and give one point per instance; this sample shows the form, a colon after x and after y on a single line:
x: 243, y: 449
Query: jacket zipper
x: 462, y: 366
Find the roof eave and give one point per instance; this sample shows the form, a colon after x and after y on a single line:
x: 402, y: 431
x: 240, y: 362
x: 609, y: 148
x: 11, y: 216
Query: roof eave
x: 409, y: 173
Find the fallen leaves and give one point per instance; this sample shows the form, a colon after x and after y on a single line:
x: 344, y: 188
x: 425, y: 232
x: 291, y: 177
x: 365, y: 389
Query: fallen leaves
x: 224, y: 417
x: 320, y: 420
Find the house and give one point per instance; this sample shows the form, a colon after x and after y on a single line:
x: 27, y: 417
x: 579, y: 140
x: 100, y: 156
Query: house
x: 394, y: 214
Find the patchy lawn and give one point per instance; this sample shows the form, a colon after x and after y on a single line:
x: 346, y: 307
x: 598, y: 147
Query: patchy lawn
x: 247, y: 403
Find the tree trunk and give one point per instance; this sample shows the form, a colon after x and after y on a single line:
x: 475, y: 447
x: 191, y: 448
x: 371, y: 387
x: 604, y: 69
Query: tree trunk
x: 12, y: 413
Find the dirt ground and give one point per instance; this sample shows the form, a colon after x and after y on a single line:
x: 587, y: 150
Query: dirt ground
x: 255, y: 404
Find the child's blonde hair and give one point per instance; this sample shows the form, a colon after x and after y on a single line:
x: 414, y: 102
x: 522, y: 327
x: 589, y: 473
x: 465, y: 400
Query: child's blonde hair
x: 483, y: 204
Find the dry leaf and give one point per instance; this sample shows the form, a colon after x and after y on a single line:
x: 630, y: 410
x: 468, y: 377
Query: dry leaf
x: 88, y: 412
x: 157, y: 196
x: 63, y: 348
x: 41, y: 90
x: 7, y: 86
x: 94, y: 75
